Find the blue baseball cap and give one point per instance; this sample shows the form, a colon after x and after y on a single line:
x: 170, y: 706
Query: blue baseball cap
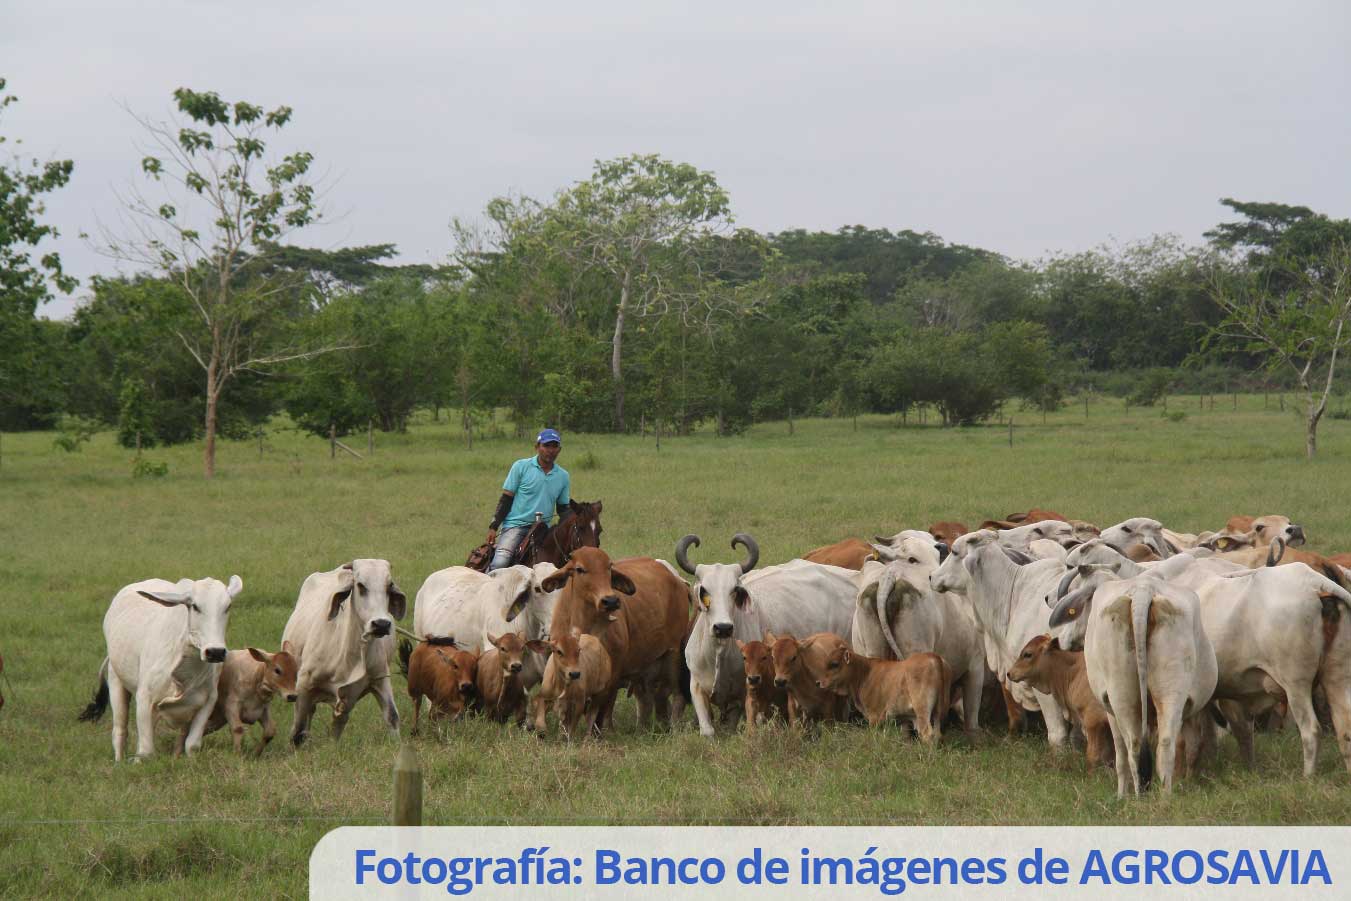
x: 548, y: 435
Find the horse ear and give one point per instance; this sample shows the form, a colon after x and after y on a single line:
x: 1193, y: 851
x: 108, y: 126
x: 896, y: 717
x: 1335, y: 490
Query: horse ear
x: 597, y: 505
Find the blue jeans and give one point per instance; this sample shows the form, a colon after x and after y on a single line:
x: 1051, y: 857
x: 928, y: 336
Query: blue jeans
x: 507, y: 542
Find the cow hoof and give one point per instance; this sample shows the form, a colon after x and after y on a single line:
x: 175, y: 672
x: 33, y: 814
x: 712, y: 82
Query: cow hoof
x: 707, y: 733
x: 298, y: 740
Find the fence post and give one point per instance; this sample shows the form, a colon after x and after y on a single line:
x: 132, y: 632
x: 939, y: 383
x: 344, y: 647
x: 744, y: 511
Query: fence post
x: 332, y: 441
x: 1010, y: 431
x: 370, y: 437
x: 407, y: 787
x: 1085, y: 405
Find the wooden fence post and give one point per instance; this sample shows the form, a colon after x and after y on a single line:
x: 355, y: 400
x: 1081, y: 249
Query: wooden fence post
x: 1010, y: 431
x: 332, y: 442
x: 370, y: 437
x: 407, y: 788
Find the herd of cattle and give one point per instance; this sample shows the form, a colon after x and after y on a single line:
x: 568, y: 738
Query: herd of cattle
x: 1079, y: 624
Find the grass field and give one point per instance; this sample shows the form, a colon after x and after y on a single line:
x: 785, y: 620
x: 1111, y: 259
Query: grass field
x: 76, y: 527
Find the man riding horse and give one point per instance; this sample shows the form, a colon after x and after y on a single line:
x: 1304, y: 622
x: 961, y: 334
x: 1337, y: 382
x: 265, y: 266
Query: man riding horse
x: 534, y: 488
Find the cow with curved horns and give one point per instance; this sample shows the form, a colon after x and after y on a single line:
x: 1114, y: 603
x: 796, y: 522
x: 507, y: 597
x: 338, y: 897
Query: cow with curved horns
x: 166, y: 646
x: 735, y: 601
x: 342, y: 630
x: 638, y: 608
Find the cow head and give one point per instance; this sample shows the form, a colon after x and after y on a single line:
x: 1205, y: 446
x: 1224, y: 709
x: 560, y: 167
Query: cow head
x: 947, y: 532
x: 208, y: 607
x: 279, y: 671
x: 1031, y: 663
x: 1245, y: 531
x: 566, y: 650
x: 952, y: 574
x: 826, y: 658
x: 459, y: 672
x: 1138, y: 530
x: 758, y: 663
x: 719, y: 597
x: 591, y: 578
x: 511, y: 650
x: 1019, y: 537
x: 784, y: 656
x: 368, y: 588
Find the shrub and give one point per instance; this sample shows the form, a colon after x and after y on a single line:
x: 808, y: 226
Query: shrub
x: 73, y: 432
x: 144, y: 468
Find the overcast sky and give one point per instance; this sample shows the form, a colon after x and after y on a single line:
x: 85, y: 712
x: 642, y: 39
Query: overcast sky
x: 1025, y: 128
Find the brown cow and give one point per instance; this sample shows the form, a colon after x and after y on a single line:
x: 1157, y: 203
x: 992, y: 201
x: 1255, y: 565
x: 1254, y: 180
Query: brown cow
x: 1062, y: 674
x: 641, y: 632
x: 762, y: 695
x: 916, y: 687
x: 244, y: 690
x: 948, y: 532
x: 500, y: 680
x: 576, y: 679
x: 807, y: 702
x: 1036, y: 514
x: 444, y: 675
x: 1342, y: 560
x: 851, y: 553
x: 1278, y: 554
x: 1255, y: 531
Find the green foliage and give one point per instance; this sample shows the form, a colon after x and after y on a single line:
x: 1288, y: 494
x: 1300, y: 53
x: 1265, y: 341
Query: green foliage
x: 1151, y: 388
x: 30, y: 386
x: 74, y: 432
x: 143, y: 468
x: 1174, y: 415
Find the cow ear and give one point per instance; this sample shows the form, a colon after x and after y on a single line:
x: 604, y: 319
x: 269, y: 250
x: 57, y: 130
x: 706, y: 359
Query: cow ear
x: 260, y: 656
x: 848, y: 655
x: 335, y: 603
x: 235, y: 587
x: 181, y: 593
x: 398, y: 601
x: 1055, y: 643
x: 769, y: 639
x: 288, y: 648
x: 557, y: 579
x: 621, y: 583
x: 494, y: 639
x: 741, y: 645
x: 1072, y: 606
x: 543, y: 648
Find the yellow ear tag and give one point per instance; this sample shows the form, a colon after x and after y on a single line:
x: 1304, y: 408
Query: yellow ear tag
x: 1073, y: 611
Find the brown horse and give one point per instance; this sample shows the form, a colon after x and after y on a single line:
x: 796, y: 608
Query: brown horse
x: 580, y: 527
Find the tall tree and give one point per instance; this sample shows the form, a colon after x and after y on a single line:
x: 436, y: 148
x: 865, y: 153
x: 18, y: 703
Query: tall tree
x: 643, y: 222
x: 1289, y: 302
x: 25, y: 283
x: 225, y: 203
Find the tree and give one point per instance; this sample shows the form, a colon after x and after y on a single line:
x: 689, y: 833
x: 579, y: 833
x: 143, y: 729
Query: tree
x: 642, y: 221
x: 226, y: 203
x: 25, y: 343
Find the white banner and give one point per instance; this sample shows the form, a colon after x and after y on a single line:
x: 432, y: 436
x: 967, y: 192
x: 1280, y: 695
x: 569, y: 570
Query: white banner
x: 702, y: 862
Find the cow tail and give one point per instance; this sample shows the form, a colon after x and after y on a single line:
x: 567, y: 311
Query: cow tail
x: 100, y: 703
x: 886, y: 581
x: 685, y: 677
x: 405, y: 653
x: 1141, y: 599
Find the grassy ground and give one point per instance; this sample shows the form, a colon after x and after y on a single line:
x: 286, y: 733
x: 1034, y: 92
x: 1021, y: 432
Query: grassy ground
x: 76, y: 527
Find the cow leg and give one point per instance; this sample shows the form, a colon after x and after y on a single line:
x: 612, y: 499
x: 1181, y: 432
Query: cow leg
x: 300, y: 728
x: 269, y: 730
x: 1122, y: 761
x: 198, y: 727
x: 701, y: 711
x: 605, y: 712
x: 1240, y: 724
x: 179, y: 740
x: 1057, y: 731
x: 145, y: 723
x: 385, y: 695
x: 117, y: 697
x: 1015, y: 710
x: 972, y: 686
x: 342, y: 710
x: 1301, y: 710
x: 750, y: 714
x: 1170, y: 725
x: 417, y: 712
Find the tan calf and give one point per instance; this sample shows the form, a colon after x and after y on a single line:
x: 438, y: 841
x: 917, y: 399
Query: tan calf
x: 762, y: 695
x: 948, y: 532
x: 807, y: 701
x: 1051, y: 670
x: 576, y: 679
x: 851, y: 553
x: 248, y: 681
x: 916, y: 687
x: 444, y: 675
x: 500, y: 679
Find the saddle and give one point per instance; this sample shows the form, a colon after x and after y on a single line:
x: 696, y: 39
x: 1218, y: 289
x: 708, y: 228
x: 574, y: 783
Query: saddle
x: 481, y: 556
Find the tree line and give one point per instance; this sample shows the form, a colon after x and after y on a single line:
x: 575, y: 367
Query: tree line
x: 629, y: 300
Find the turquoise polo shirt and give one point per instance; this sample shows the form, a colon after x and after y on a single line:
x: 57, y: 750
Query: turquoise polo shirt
x: 535, y: 490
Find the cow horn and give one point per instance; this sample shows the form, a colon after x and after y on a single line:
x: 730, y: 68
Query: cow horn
x: 1276, y: 552
x: 681, y: 547
x: 1065, y: 582
x: 752, y: 551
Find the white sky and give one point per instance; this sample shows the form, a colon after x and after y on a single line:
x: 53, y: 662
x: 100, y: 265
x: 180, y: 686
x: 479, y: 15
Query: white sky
x: 1021, y: 127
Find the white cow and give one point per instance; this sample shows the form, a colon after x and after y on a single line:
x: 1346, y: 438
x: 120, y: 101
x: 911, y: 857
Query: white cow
x: 469, y: 605
x: 1022, y: 537
x: 1144, y: 641
x: 1276, y: 633
x: 166, y: 644
x: 898, y: 614
x: 735, y: 601
x: 1143, y: 531
x: 1007, y: 596
x: 342, y: 630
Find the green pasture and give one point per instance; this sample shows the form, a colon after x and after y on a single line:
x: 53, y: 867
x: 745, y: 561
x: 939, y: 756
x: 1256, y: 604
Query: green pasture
x: 74, y: 527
